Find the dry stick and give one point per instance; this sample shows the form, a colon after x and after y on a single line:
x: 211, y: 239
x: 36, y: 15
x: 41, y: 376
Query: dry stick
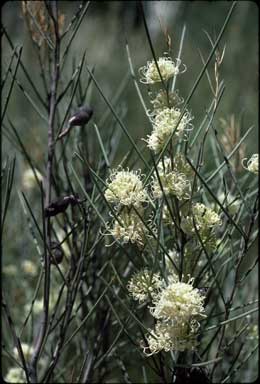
x: 54, y: 83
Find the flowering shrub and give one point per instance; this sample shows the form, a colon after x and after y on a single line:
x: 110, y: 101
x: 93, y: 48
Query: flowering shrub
x: 130, y: 233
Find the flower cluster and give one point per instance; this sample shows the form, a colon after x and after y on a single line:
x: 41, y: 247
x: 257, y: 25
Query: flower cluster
x: 173, y: 181
x: 205, y: 221
x: 144, y: 285
x: 177, y: 307
x: 163, y: 100
x: 204, y: 218
x: 167, y: 67
x: 129, y: 228
x: 252, y: 164
x: 125, y: 188
x: 165, y: 122
x: 169, y: 336
x: 178, y: 302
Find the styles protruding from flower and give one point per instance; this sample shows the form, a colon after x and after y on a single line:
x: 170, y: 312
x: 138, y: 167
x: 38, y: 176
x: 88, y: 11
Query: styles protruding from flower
x: 144, y: 285
x: 126, y: 188
x: 202, y: 218
x: 171, y: 336
x: 177, y: 307
x: 165, y: 122
x: 252, y: 164
x: 129, y: 228
x: 172, y: 179
x: 167, y: 67
x: 162, y: 100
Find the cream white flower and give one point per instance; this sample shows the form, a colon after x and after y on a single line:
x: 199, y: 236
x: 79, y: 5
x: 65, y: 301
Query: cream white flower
x: 15, y: 375
x: 125, y: 188
x: 252, y: 164
x: 165, y: 122
x: 178, y: 302
x: 172, y: 181
x: 162, y: 100
x: 169, y: 336
x: 205, y: 219
x: 167, y: 67
x: 131, y: 229
x: 29, y: 180
x: 144, y: 285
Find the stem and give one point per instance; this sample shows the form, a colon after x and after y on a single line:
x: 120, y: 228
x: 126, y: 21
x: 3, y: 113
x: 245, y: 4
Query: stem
x: 41, y: 338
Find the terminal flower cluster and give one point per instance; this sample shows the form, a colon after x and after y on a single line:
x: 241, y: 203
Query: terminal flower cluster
x: 165, y: 122
x: 167, y: 67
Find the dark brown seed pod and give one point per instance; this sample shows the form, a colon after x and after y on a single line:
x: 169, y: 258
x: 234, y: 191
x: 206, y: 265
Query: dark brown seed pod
x: 60, y: 205
x: 57, y: 252
x: 81, y: 116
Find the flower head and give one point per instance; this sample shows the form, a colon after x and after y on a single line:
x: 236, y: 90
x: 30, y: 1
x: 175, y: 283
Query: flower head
x: 172, y: 181
x: 165, y: 123
x: 252, y: 164
x: 167, y: 67
x: 205, y: 219
x: 169, y: 336
x: 130, y: 228
x: 144, y: 284
x: 165, y: 100
x: 126, y: 188
x: 178, y: 302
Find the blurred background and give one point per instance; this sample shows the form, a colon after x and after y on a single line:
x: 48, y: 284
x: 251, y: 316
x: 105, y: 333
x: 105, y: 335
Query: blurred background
x: 103, y: 34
